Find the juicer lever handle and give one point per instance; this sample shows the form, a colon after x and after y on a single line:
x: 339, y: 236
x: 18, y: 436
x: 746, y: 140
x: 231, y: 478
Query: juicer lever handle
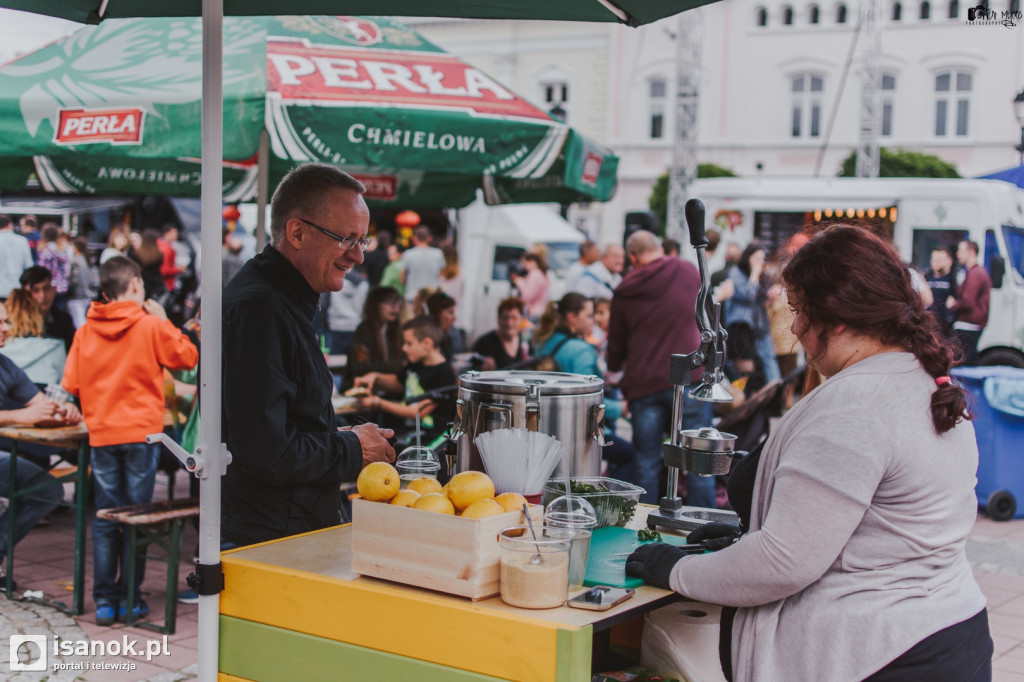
x: 694, y: 212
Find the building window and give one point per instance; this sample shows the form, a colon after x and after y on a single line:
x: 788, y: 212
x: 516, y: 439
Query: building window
x: 556, y: 97
x: 761, y: 16
x: 787, y: 15
x: 656, y: 101
x: 926, y: 11
x: 897, y: 11
x: 814, y: 15
x: 954, y: 9
x: 952, y: 103
x: 841, y: 14
x: 1014, y: 5
x: 807, y: 90
x: 887, y: 101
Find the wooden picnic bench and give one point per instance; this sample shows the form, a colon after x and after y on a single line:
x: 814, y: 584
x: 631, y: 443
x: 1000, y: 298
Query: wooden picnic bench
x: 162, y: 524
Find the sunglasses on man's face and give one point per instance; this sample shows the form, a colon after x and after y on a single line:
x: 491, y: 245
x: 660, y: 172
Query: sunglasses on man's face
x: 344, y: 242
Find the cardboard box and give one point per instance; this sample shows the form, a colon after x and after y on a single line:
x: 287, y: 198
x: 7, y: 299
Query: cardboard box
x: 426, y: 549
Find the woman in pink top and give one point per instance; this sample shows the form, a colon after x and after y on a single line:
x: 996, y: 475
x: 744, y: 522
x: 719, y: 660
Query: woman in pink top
x: 533, y: 286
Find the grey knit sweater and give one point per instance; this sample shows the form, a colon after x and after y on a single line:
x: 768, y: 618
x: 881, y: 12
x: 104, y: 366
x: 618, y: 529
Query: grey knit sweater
x: 860, y: 517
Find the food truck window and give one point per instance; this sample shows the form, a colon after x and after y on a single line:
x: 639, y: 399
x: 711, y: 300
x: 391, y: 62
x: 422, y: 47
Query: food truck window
x: 926, y: 239
x: 506, y: 261
x: 1014, y: 238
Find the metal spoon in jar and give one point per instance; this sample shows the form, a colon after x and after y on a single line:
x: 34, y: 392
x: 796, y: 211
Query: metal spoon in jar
x: 536, y: 558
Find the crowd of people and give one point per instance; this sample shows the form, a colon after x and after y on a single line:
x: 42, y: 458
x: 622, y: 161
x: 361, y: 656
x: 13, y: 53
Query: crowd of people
x: 324, y: 286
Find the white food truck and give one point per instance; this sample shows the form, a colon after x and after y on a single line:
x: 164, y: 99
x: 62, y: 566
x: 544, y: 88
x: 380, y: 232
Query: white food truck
x: 918, y: 214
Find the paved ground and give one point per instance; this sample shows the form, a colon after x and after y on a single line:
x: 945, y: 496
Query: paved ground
x: 43, y: 562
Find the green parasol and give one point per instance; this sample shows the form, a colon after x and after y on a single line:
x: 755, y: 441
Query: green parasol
x: 114, y: 109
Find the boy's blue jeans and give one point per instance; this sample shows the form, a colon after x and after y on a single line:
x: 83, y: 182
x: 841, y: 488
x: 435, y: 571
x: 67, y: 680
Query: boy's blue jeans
x: 122, y: 475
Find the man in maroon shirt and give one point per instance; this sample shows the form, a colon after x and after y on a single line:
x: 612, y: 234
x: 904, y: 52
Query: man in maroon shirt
x: 971, y: 302
x: 653, y: 317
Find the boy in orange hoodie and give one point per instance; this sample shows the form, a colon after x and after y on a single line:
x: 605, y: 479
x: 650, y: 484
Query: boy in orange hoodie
x: 115, y: 367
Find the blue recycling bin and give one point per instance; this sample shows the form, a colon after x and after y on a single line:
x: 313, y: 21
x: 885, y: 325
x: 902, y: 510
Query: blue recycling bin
x: 998, y: 407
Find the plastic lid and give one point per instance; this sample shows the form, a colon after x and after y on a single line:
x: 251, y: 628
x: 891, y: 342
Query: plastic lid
x: 418, y: 457
x: 521, y: 382
x: 570, y: 512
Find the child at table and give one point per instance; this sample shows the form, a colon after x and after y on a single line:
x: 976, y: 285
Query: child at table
x: 426, y: 371
x: 115, y: 367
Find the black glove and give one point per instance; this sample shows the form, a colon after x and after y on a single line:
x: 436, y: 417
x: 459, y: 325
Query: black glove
x: 653, y: 562
x: 716, y: 535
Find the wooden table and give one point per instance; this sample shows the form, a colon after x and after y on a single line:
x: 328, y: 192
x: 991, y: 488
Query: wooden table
x: 293, y: 609
x: 64, y: 437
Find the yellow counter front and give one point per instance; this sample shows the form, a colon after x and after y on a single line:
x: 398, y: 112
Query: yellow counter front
x: 293, y: 609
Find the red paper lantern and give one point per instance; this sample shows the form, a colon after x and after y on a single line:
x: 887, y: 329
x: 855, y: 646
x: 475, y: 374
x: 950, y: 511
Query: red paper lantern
x: 407, y: 219
x: 231, y: 213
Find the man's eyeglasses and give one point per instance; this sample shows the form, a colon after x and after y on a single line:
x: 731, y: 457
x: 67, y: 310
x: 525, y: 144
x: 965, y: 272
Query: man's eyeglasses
x: 344, y: 242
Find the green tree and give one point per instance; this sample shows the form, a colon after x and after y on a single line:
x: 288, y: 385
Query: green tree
x: 658, y: 201
x: 903, y: 163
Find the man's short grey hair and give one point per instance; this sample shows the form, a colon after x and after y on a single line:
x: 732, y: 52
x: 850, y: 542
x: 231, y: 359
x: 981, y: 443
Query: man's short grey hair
x: 642, y: 242
x: 303, y: 189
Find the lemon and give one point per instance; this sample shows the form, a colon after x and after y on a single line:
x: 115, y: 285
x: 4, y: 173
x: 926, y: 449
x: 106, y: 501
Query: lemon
x: 378, y: 482
x: 434, y: 502
x: 482, y: 508
x: 466, y: 488
x: 424, y: 485
x: 511, y: 501
x: 405, y: 498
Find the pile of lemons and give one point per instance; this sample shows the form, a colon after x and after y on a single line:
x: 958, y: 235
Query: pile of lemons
x: 469, y: 494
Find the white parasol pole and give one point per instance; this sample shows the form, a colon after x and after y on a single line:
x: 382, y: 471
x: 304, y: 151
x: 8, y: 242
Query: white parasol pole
x: 210, y: 357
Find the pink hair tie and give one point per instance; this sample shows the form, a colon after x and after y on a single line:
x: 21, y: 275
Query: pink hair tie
x: 942, y: 380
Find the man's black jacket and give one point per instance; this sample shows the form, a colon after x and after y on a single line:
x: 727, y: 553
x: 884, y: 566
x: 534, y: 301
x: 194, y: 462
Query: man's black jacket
x: 289, y: 459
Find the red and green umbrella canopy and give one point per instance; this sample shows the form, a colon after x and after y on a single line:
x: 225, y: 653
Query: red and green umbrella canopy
x: 116, y: 109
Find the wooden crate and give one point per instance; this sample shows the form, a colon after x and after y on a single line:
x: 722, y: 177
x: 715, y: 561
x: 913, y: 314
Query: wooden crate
x: 426, y: 549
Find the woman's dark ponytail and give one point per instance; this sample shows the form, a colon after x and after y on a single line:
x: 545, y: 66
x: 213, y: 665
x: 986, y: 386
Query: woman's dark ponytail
x: 924, y: 339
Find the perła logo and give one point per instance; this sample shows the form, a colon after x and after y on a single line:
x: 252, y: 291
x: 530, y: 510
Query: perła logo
x: 28, y: 653
x: 87, y: 126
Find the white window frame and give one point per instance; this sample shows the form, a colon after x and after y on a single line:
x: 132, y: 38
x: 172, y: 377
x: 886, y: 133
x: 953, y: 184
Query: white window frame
x: 807, y: 101
x: 657, y: 106
x: 958, y: 104
x: 887, y: 100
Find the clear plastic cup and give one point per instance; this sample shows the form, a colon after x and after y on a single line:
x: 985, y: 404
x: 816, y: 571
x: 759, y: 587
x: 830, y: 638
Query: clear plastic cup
x: 417, y: 461
x: 575, y: 514
x: 534, y: 573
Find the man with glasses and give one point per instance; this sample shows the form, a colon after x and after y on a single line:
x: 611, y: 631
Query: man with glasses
x: 289, y: 458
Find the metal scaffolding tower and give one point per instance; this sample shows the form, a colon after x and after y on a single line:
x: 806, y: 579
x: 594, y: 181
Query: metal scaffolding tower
x: 684, y: 148
x: 868, y: 152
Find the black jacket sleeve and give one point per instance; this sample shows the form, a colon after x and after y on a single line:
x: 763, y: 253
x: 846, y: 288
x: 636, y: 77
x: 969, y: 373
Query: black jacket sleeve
x: 274, y: 410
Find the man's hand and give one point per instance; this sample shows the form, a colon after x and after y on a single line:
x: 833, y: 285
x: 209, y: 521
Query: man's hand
x: 374, y: 441
x: 950, y: 302
x: 69, y: 413
x: 489, y: 365
x: 154, y: 309
x: 38, y: 411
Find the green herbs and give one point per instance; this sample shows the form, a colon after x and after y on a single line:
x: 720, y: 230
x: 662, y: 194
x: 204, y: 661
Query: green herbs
x: 647, y: 534
x: 612, y: 507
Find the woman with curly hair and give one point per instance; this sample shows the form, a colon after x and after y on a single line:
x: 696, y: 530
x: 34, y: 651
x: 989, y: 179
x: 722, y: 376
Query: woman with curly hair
x: 849, y: 560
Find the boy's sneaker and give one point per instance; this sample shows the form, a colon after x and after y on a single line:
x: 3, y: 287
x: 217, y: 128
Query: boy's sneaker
x: 141, y: 610
x: 105, y: 615
x: 188, y: 597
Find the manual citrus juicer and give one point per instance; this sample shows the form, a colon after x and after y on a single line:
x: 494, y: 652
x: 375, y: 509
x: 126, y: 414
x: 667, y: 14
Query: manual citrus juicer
x: 705, y: 451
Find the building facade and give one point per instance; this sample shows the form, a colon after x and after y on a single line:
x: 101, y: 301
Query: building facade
x: 780, y: 86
